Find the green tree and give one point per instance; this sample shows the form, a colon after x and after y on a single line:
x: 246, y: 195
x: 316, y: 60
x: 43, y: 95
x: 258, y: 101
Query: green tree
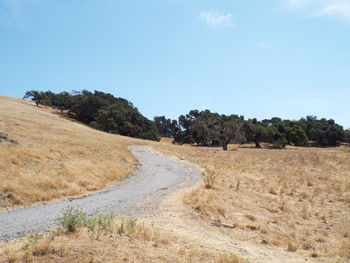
x: 186, y: 135
x: 323, y: 132
x: 100, y: 110
x: 255, y: 132
x: 231, y: 132
x: 214, y: 129
x: 166, y: 127
x: 297, y: 135
x: 279, y: 135
x: 34, y: 95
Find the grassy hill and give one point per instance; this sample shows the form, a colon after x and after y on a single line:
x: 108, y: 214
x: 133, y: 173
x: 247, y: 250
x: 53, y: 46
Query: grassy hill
x: 288, y: 203
x: 56, y: 157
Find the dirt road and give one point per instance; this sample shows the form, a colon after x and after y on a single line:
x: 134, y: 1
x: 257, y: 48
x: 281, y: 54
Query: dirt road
x: 155, y: 178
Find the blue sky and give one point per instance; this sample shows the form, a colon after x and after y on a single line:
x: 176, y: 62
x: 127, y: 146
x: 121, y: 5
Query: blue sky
x: 286, y: 58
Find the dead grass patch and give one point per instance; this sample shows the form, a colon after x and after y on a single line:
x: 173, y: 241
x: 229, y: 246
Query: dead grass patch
x: 135, y: 243
x: 56, y: 158
x: 228, y: 259
x: 285, y: 197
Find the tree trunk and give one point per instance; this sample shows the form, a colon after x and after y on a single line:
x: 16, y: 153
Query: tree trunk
x: 257, y: 144
x: 224, y: 146
x: 37, y: 103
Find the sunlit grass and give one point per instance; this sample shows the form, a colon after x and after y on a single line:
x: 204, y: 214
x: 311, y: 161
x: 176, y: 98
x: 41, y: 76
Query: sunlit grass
x: 56, y: 158
x: 297, y: 198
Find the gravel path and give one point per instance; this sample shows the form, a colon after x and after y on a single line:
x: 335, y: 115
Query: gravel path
x: 156, y: 177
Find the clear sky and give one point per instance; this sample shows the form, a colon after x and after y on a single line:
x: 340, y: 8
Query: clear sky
x: 286, y: 58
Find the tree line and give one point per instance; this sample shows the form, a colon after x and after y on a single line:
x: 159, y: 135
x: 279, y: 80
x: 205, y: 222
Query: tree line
x: 212, y: 129
x: 116, y: 115
x: 99, y: 110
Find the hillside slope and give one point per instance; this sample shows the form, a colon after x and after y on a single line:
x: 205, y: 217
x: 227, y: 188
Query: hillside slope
x: 56, y: 158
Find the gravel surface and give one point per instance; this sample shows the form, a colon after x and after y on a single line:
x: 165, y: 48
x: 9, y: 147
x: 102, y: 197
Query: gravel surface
x: 156, y: 177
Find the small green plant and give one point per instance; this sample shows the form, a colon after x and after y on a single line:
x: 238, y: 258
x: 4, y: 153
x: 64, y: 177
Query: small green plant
x: 128, y: 226
x: 91, y: 225
x: 131, y: 224
x: 99, y: 224
x: 71, y: 218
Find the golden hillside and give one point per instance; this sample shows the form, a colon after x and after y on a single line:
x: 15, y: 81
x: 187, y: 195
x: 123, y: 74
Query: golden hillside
x: 56, y: 157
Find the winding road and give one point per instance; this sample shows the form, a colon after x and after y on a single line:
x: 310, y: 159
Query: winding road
x: 156, y: 177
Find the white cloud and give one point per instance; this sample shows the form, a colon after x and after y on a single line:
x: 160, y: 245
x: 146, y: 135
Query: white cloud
x: 213, y: 18
x: 320, y: 8
x: 341, y: 10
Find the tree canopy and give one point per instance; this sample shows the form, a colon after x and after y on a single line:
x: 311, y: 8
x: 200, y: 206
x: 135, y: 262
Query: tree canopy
x: 105, y: 112
x: 100, y: 110
x: 213, y: 129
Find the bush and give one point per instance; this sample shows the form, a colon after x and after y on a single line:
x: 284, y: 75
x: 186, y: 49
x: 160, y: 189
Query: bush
x: 279, y: 144
x: 71, y: 219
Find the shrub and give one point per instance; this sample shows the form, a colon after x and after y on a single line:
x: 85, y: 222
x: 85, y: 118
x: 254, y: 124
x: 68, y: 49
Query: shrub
x: 279, y: 144
x: 71, y: 218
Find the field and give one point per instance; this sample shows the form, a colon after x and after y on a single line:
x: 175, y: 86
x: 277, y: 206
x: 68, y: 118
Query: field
x: 294, y: 202
x: 297, y: 198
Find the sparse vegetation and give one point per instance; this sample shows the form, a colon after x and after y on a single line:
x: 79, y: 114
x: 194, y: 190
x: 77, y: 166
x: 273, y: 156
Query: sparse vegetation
x: 73, y: 218
x: 31, y: 249
x: 209, y: 177
x: 288, y: 199
x: 136, y: 243
x: 98, y: 225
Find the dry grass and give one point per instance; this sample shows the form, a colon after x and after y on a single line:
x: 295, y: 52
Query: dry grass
x: 56, y: 158
x: 139, y: 243
x: 228, y: 259
x: 210, y: 174
x: 297, y: 198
